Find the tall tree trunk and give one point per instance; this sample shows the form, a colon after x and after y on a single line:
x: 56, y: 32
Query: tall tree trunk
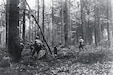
x: 24, y: 27
x: 38, y: 10
x: 82, y: 33
x: 35, y: 26
x: 66, y: 24
x: 7, y: 21
x: 62, y: 21
x: 29, y: 29
x: 32, y: 29
x: 52, y: 24
x: 13, y: 35
x: 111, y: 26
x: 95, y: 25
x: 98, y: 25
x: 95, y: 33
x: 43, y: 16
x: 69, y: 23
x: 108, y: 30
x: 48, y: 34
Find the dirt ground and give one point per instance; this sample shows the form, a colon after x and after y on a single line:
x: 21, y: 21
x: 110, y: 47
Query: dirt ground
x: 68, y: 62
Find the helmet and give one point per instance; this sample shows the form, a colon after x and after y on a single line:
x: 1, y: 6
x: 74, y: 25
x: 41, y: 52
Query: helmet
x: 80, y: 37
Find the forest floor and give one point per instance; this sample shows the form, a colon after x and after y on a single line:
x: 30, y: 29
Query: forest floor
x: 93, y: 61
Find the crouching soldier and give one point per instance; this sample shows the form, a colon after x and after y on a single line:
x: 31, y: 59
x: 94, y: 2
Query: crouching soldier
x: 38, y: 45
x: 55, y: 51
x: 81, y: 43
x: 31, y: 47
x: 21, y: 48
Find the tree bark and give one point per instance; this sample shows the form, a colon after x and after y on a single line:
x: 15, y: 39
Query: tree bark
x: 62, y: 22
x: 7, y: 22
x: 38, y: 10
x: 82, y: 33
x: 95, y: 25
x: 13, y: 35
x: 43, y: 16
x: 66, y: 24
x: 52, y: 24
x: 24, y: 27
x: 108, y: 29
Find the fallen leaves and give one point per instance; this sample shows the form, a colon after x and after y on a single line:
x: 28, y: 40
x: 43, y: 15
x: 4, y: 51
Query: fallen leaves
x: 66, y: 63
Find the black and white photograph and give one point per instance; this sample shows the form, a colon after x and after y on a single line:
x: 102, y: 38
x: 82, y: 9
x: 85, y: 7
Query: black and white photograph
x: 56, y: 37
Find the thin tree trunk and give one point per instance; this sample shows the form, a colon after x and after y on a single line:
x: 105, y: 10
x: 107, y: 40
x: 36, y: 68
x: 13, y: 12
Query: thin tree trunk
x: 48, y: 34
x: 35, y: 27
x: 82, y: 20
x: 38, y: 10
x: 97, y: 31
x: 29, y: 29
x: 66, y: 24
x: 108, y: 30
x: 95, y: 25
x: 52, y: 24
x: 32, y: 29
x: 7, y: 20
x: 23, y: 36
x: 98, y: 25
x: 24, y: 22
x: 62, y: 21
x: 43, y: 16
x: 69, y: 30
x: 111, y: 26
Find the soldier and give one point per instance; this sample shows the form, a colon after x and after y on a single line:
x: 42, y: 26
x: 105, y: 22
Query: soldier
x: 81, y: 43
x: 21, y: 47
x: 55, y: 51
x: 31, y: 47
x: 38, y: 45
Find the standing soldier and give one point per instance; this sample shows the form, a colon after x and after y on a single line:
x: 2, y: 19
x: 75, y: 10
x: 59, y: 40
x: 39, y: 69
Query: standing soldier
x: 31, y: 47
x: 81, y: 43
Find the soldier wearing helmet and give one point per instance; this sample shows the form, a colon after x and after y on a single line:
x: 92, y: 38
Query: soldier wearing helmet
x: 81, y: 43
x: 38, y: 45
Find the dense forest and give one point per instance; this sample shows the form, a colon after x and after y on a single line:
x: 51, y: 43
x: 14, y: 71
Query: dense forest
x: 58, y: 23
